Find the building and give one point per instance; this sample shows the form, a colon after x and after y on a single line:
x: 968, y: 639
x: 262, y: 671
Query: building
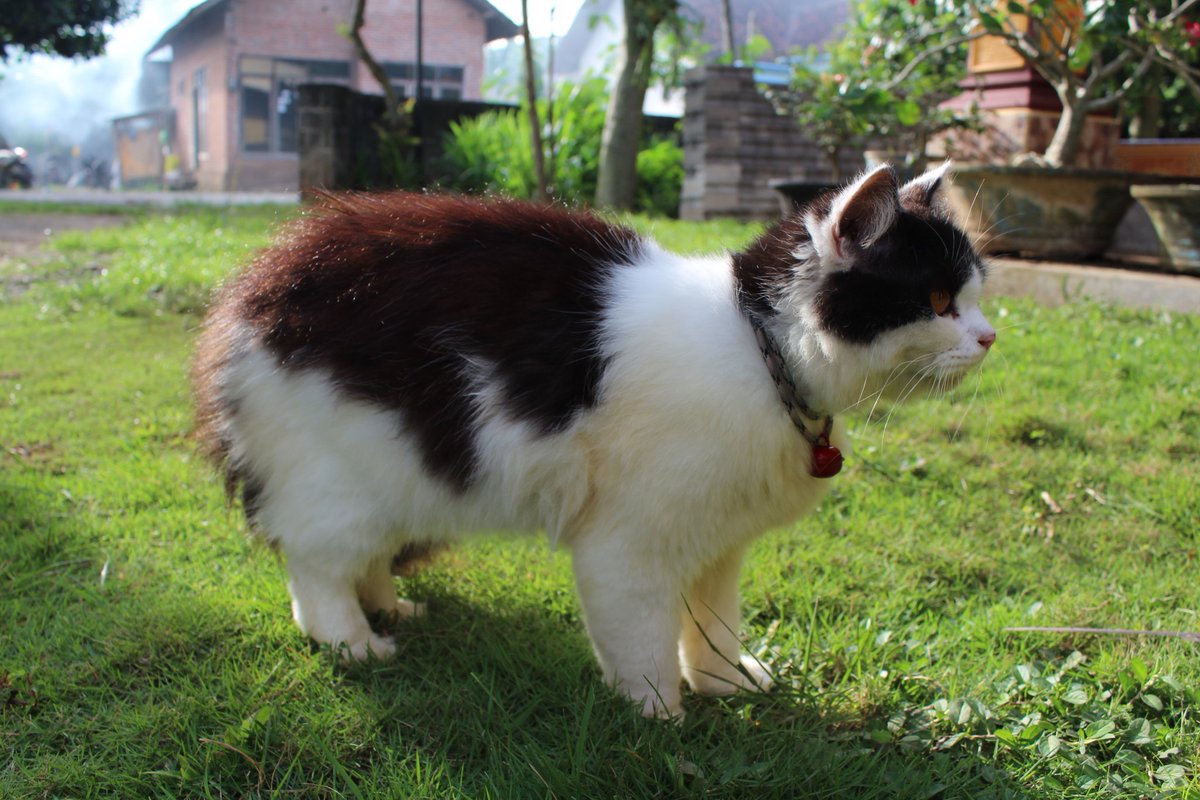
x: 234, y: 68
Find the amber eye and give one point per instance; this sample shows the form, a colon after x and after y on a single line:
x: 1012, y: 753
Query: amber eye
x: 940, y: 301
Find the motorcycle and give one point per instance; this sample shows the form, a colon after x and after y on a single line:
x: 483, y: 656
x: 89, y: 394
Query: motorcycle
x: 14, y: 169
x: 93, y: 173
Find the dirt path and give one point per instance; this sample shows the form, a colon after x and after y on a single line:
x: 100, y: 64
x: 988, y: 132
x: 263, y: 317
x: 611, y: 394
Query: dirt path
x: 23, y: 235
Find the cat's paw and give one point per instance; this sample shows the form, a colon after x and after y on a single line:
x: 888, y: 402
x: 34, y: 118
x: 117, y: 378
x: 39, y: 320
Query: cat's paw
x: 397, y: 609
x: 757, y: 678
x: 723, y: 678
x: 656, y: 705
x: 372, y: 646
x: 407, y: 609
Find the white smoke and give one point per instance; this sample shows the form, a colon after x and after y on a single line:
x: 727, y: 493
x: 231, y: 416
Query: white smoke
x: 51, y: 102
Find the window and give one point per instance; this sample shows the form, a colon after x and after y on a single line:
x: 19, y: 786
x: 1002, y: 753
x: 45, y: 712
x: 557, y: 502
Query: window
x: 437, y: 80
x: 269, y: 91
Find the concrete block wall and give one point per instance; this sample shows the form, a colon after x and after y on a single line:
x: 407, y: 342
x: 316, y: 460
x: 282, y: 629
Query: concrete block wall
x: 735, y: 144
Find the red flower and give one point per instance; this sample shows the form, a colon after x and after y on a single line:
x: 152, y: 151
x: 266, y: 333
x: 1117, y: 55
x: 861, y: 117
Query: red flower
x: 1193, y: 31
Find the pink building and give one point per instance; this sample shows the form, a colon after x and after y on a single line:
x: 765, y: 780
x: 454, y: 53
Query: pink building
x: 235, y: 66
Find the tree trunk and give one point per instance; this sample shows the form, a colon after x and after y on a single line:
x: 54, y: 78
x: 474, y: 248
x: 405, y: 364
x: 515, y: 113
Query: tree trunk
x: 1147, y: 112
x: 1065, y: 146
x: 616, y: 185
x: 727, y: 30
x: 391, y: 112
x: 541, y: 192
x: 833, y: 154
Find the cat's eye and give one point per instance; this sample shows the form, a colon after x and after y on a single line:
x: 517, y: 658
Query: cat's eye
x: 940, y: 301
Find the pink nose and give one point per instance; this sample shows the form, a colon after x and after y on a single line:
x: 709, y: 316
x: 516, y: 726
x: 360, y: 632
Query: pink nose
x: 986, y: 340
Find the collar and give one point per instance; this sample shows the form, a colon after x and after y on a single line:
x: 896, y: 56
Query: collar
x: 827, y: 459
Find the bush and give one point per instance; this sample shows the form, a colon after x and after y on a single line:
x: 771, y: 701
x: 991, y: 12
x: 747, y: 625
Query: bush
x: 491, y: 152
x: 660, y: 178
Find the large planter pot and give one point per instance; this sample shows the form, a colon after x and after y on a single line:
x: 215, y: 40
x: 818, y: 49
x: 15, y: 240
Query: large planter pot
x: 1063, y: 213
x: 1174, y: 210
x: 794, y: 195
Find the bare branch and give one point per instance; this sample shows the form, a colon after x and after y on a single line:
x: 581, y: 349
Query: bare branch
x: 373, y: 66
x: 901, y: 76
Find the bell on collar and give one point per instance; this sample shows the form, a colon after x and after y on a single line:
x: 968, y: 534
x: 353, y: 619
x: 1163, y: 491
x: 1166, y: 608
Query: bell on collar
x: 826, y: 461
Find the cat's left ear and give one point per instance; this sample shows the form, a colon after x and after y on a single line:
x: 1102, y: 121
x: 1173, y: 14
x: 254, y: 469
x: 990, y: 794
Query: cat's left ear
x: 858, y: 216
x: 926, y: 192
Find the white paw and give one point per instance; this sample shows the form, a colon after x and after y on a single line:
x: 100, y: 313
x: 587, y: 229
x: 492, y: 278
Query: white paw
x: 373, y: 646
x: 654, y: 704
x: 407, y: 609
x: 759, y: 679
x: 720, y: 678
x: 655, y: 707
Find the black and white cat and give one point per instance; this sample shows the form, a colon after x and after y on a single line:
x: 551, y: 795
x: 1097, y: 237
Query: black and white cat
x: 405, y: 369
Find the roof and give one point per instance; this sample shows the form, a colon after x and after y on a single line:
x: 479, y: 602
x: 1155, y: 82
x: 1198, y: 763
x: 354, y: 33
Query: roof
x: 195, y: 13
x: 497, y: 26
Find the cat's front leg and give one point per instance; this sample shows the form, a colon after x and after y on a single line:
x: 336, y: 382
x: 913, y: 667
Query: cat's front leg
x: 631, y: 608
x: 709, y: 647
x: 326, y: 607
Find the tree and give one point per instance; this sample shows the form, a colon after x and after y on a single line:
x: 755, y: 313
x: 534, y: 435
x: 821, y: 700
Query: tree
x: 393, y: 111
x: 617, y: 182
x: 70, y: 28
x: 395, y: 131
x: 542, y: 192
x: 878, y: 45
x: 884, y: 79
x: 1092, y: 54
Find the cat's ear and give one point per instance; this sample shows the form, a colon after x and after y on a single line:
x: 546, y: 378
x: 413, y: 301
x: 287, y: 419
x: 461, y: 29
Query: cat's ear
x: 858, y: 216
x: 926, y: 191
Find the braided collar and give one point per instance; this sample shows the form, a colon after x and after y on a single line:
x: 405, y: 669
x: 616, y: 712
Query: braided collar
x: 827, y: 459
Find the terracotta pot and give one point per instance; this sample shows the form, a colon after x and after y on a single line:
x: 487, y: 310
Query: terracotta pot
x: 1174, y: 211
x: 1066, y: 213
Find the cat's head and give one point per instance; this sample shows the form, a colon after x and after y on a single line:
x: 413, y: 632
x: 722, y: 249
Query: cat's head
x: 882, y: 289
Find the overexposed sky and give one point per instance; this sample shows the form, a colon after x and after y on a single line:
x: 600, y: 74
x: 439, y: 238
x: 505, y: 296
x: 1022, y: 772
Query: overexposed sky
x: 41, y: 92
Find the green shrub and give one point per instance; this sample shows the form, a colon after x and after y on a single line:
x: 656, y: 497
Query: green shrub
x: 491, y: 152
x: 660, y: 178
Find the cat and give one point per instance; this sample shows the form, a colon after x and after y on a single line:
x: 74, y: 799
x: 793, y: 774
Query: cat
x: 401, y: 370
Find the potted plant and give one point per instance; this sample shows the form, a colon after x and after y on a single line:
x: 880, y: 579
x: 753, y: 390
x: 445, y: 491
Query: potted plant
x: 870, y: 93
x: 1174, y: 211
x: 832, y: 112
x: 1091, y: 54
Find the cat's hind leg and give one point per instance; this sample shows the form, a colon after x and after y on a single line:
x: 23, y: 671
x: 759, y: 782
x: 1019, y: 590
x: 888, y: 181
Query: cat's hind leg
x: 709, y: 647
x: 377, y: 593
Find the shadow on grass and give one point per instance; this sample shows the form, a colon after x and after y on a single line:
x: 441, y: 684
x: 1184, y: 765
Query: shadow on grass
x: 158, y: 685
x: 511, y: 704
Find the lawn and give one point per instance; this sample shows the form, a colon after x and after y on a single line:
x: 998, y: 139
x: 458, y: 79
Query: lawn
x: 147, y: 650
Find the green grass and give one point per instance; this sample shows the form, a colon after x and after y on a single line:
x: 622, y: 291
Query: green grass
x: 146, y: 646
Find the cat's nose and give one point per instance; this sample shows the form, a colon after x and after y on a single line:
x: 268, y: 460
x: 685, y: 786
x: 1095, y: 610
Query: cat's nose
x: 986, y: 340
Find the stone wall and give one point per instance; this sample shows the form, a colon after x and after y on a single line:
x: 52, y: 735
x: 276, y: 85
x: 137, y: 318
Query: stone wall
x: 735, y: 145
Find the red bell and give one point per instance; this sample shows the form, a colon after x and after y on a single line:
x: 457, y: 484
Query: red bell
x: 826, y: 461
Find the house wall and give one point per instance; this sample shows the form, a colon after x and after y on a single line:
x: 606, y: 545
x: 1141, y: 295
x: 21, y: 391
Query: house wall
x: 203, y: 47
x: 454, y: 34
